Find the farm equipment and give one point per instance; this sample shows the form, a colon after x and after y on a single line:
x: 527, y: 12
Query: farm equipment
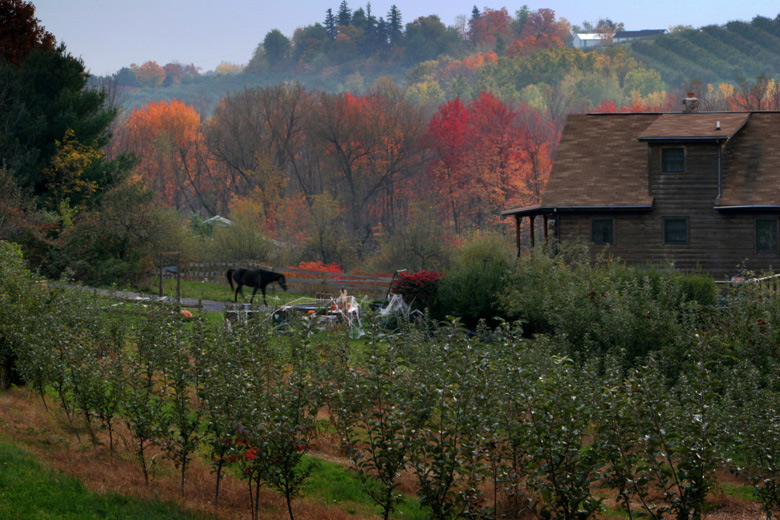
x: 331, y: 312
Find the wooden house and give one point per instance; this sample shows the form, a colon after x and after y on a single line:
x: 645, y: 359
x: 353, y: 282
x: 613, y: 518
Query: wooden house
x: 697, y: 190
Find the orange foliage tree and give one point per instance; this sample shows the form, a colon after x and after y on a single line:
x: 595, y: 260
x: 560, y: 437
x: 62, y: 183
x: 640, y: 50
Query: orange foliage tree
x: 150, y: 74
x: 174, y: 159
x: 371, y: 146
x: 531, y: 43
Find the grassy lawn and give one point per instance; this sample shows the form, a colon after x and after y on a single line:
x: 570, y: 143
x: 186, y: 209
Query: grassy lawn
x: 30, y: 492
x: 334, y: 484
x: 221, y: 292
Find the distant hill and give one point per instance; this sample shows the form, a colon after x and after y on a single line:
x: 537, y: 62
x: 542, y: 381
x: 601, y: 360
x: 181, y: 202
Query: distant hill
x: 526, y: 72
x: 206, y: 91
x: 715, y: 53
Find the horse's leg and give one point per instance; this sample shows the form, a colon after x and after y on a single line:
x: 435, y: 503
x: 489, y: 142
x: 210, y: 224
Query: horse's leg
x: 238, y: 290
x: 254, y: 291
x: 262, y: 287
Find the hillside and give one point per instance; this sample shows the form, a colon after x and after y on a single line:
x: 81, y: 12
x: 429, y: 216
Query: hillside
x: 538, y: 65
x: 716, y: 53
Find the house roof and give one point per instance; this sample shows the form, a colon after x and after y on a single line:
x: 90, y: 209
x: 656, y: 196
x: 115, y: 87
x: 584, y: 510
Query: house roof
x: 589, y: 36
x: 698, y: 126
x: 602, y: 160
x: 600, y: 163
x: 752, y: 171
x: 644, y: 33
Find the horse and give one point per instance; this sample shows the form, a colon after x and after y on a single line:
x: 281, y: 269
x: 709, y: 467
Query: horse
x: 257, y: 279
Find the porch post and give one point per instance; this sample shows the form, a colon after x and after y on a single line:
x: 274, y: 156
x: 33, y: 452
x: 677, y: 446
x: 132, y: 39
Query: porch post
x: 518, y: 221
x: 532, y: 231
x: 545, y: 217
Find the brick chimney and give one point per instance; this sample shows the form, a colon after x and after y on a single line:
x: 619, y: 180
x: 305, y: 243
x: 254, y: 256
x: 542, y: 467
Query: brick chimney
x: 690, y: 104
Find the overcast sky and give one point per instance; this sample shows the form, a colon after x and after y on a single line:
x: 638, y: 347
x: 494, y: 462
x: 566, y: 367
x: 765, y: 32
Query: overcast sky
x: 110, y: 34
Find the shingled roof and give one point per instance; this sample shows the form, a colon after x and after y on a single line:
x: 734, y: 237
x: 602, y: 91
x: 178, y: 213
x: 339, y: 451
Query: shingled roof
x: 700, y: 126
x: 602, y: 159
x: 600, y: 163
x: 752, y: 174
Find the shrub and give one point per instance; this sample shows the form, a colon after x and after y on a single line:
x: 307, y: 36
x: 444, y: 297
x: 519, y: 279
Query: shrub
x: 470, y: 290
x: 419, y: 289
x: 605, y: 307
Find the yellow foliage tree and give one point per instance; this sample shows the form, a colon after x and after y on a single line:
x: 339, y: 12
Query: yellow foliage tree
x: 65, y: 175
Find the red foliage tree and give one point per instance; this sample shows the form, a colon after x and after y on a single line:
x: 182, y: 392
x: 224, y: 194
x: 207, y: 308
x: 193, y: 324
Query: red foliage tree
x: 448, y: 133
x: 542, y: 23
x: 491, y: 24
x: 21, y: 32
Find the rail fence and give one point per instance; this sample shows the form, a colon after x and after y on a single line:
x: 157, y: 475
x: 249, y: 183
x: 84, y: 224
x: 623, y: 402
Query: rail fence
x: 298, y: 280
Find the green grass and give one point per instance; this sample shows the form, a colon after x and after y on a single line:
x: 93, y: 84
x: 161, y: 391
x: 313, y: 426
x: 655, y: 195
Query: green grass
x: 221, y: 291
x: 746, y: 493
x: 333, y: 484
x: 30, y: 492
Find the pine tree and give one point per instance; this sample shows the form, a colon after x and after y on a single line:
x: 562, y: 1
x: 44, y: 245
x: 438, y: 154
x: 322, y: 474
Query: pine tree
x: 475, y: 14
x: 394, y: 24
x: 330, y: 24
x: 381, y: 37
x: 344, y: 17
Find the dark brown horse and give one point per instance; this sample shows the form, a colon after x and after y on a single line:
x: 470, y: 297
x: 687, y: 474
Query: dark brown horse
x: 258, y: 279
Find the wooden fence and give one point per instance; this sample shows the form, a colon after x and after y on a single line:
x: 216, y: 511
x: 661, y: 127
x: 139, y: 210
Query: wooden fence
x: 298, y: 280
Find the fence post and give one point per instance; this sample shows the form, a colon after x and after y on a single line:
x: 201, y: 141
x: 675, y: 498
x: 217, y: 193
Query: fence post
x: 161, y: 275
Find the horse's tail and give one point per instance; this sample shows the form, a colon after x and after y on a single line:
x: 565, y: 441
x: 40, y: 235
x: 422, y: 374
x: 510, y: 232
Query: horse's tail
x: 230, y: 278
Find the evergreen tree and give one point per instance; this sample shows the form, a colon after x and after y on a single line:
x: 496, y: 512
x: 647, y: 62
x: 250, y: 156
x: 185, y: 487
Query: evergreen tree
x: 344, y: 17
x: 475, y: 14
x: 330, y: 24
x: 381, y: 35
x: 43, y: 98
x: 276, y: 46
x: 359, y: 19
x: 394, y: 25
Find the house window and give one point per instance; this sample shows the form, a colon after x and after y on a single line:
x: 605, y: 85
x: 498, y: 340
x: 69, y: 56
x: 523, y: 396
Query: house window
x: 673, y: 159
x: 603, y: 231
x: 675, y: 231
x: 766, y: 236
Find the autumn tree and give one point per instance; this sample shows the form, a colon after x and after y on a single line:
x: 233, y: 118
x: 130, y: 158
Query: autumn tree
x: 761, y: 94
x: 538, y: 142
x: 530, y: 44
x: 495, y: 161
x: 21, y: 32
x: 67, y: 177
x: 543, y: 23
x: 490, y: 26
x: 371, y: 147
x: 257, y: 136
x: 150, y: 74
x: 174, y: 72
x: 308, y: 42
x: 226, y: 68
x: 487, y: 156
x: 447, y: 136
x: 174, y: 159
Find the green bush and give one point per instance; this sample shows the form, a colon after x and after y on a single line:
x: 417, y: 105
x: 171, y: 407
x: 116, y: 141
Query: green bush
x: 605, y: 307
x: 470, y: 289
x: 21, y: 300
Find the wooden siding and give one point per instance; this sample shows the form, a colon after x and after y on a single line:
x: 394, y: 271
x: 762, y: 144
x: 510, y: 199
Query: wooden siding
x: 718, y: 242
